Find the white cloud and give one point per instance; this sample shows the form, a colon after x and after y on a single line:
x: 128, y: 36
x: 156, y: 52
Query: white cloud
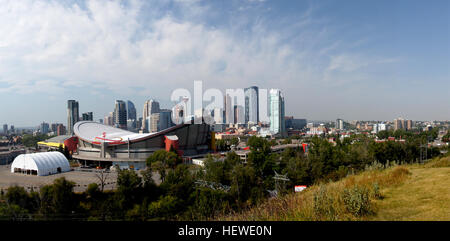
x: 113, y: 48
x: 346, y: 63
x: 106, y: 46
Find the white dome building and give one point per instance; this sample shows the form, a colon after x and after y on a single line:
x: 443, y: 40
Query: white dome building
x: 41, y: 164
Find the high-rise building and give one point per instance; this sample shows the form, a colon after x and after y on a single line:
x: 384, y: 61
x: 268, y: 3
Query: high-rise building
x: 251, y: 104
x: 44, y: 127
x: 379, y: 127
x: 120, y: 115
x: 409, y: 124
x: 217, y: 114
x: 109, y: 119
x: 165, y: 119
x: 131, y: 111
x: 239, y: 114
x: 53, y: 127
x: 276, y: 112
x: 150, y: 107
x: 12, y: 129
x: 139, y: 122
x: 180, y: 111
x: 399, y: 124
x: 339, y: 124
x: 229, y: 109
x: 60, y: 130
x: 88, y: 116
x: 160, y: 121
x: 131, y: 118
x: 72, y: 115
x: 154, y: 122
x: 100, y: 121
x: 5, y: 129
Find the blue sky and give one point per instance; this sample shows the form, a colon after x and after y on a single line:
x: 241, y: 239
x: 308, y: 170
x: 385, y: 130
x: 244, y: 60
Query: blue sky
x: 369, y: 60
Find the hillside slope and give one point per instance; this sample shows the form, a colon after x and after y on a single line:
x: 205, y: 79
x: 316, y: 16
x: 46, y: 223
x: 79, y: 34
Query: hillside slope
x: 423, y: 196
x: 408, y: 192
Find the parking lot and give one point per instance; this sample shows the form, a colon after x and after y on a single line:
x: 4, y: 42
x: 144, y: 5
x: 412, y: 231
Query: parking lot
x: 81, y: 178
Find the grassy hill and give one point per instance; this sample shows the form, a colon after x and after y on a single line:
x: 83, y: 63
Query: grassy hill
x: 406, y: 192
x: 423, y: 196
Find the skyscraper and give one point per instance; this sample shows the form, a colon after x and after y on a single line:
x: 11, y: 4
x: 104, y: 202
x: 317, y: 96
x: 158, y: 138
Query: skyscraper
x: 44, y: 127
x: 276, y: 112
x: 218, y: 115
x: 109, y: 119
x: 72, y: 115
x: 60, y: 130
x: 339, y: 124
x: 180, y: 111
x: 160, y: 121
x: 131, y: 112
x: 409, y: 124
x: 120, y: 114
x: 399, y: 124
x: 239, y: 114
x: 251, y: 104
x: 154, y: 122
x: 53, y: 127
x: 165, y: 119
x: 88, y: 116
x: 229, y: 110
x: 139, y: 122
x: 150, y: 107
x: 5, y: 129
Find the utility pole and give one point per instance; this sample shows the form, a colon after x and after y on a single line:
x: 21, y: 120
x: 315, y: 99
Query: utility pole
x: 279, y: 178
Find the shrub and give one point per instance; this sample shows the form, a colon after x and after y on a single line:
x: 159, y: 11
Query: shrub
x: 323, y: 205
x: 376, y: 191
x: 357, y: 200
x: 440, y: 162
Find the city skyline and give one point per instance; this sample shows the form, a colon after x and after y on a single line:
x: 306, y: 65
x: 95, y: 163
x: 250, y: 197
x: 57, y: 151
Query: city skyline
x: 97, y: 117
x: 354, y: 60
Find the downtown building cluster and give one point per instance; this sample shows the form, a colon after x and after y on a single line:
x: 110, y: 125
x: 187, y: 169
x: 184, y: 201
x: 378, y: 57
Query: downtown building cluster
x: 233, y: 114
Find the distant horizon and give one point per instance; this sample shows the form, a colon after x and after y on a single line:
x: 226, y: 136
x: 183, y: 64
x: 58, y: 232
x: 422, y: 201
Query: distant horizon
x: 308, y: 121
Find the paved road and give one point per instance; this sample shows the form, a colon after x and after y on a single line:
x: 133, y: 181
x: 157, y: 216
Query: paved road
x: 81, y: 178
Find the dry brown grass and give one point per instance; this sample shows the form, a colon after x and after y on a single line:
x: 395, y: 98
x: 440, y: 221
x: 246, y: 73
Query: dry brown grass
x: 327, y: 201
x: 423, y: 197
x: 439, y: 162
x: 410, y: 192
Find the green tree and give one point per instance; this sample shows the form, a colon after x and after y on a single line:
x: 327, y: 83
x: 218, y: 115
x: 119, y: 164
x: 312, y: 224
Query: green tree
x: 208, y: 203
x: 446, y: 137
x: 128, y: 188
x: 179, y: 182
x: 57, y: 200
x: 244, y: 179
x: 166, y: 208
x: 162, y: 160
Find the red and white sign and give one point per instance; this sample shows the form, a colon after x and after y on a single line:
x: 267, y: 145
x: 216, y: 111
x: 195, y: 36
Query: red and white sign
x: 299, y: 188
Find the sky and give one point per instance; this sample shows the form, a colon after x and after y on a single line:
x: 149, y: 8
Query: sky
x: 354, y: 60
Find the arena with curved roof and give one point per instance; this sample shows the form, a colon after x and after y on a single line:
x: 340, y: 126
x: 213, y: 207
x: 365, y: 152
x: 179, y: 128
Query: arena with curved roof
x: 105, y: 146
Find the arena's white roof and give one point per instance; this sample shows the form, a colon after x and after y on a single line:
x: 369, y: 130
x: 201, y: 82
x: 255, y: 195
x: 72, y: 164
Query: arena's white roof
x: 96, y: 133
x: 45, y: 163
